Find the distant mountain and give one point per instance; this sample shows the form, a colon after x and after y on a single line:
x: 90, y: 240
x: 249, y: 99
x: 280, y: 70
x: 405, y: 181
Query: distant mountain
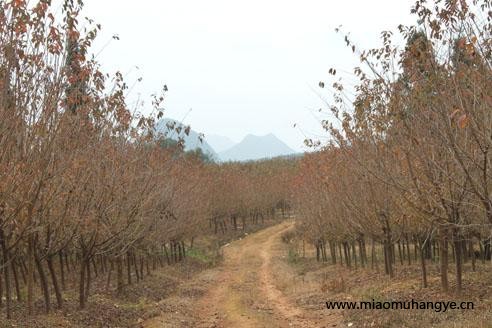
x: 191, y: 141
x: 219, y: 143
x: 256, y: 147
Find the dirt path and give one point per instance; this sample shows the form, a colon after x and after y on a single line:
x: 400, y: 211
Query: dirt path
x: 245, y: 294
x: 243, y: 291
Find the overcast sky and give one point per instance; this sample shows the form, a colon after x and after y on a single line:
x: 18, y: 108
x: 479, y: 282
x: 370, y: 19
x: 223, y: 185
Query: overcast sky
x: 242, y: 66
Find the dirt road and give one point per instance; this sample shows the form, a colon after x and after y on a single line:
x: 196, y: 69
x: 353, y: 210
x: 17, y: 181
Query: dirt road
x: 243, y: 291
x: 245, y: 294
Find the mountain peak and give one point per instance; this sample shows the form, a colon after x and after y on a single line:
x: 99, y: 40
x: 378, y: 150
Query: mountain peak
x: 266, y: 136
x: 254, y: 147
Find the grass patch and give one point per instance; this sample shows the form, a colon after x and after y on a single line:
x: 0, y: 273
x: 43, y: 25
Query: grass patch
x: 293, y: 256
x: 203, y: 256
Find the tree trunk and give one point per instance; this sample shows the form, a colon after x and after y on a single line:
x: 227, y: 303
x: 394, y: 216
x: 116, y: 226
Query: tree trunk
x: 83, y: 269
x: 1, y: 290
x: 361, y: 253
x: 346, y: 253
x: 44, y: 284
x: 409, y: 258
x: 472, y: 255
x: 340, y: 253
x: 400, y: 254
x: 88, y: 280
x: 5, y: 265
x: 119, y: 266
x: 167, y: 254
x: 30, y: 276
x: 332, y: 252
x: 443, y: 258
x: 108, y: 279
x: 51, y: 268
x: 458, y: 247
x: 354, y: 255
x: 128, y: 267
x: 16, y: 281
x: 135, y: 265
x: 422, y: 264
x: 62, y: 270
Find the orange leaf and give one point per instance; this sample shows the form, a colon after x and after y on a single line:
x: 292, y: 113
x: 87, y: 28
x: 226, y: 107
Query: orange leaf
x: 463, y: 121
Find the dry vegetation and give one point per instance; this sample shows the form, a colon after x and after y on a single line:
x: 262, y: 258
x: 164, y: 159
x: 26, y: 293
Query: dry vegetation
x: 309, y: 283
x: 90, y: 197
x: 100, y: 219
x: 409, y: 168
x: 405, y: 180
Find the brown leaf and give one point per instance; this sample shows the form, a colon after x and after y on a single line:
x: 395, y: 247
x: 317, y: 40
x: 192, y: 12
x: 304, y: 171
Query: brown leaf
x: 453, y: 114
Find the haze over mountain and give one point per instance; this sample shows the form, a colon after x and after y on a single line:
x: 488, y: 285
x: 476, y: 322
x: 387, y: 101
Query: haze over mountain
x: 222, y: 148
x: 191, y: 141
x: 256, y: 147
x: 219, y: 143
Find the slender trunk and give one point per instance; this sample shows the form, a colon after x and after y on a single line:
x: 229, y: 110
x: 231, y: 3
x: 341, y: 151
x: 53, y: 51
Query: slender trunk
x: 340, y: 253
x: 416, y: 248
x: 30, y: 274
x: 354, y: 254
x: 459, y: 259
x: 44, y: 284
x: 5, y: 265
x: 88, y: 280
x: 1, y: 290
x: 332, y: 251
x: 346, y: 251
x: 400, y: 254
x: 409, y: 258
x: 422, y: 265
x: 128, y: 267
x: 22, y: 267
x: 373, y: 254
x: 51, y: 268
x: 147, y: 265
x: 443, y: 258
x: 135, y: 265
x: 472, y: 252
x: 119, y: 266
x: 386, y: 260
x: 62, y: 270
x: 67, y: 264
x: 464, y: 251
x: 108, y: 279
x: 16, y: 281
x: 361, y: 253
x: 141, y: 267
x: 83, y: 269
x: 323, y: 251
x: 94, y: 265
x: 184, y: 249
x: 167, y: 254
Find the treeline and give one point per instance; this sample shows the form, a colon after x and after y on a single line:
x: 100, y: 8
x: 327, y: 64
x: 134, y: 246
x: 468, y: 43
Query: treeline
x: 408, y: 166
x: 250, y: 193
x: 86, y: 189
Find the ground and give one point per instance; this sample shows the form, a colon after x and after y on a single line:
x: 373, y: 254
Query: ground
x: 243, y: 292
x: 263, y: 279
x: 265, y: 282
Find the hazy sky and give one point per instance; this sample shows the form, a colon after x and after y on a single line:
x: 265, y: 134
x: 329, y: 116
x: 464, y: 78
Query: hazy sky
x: 241, y: 66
